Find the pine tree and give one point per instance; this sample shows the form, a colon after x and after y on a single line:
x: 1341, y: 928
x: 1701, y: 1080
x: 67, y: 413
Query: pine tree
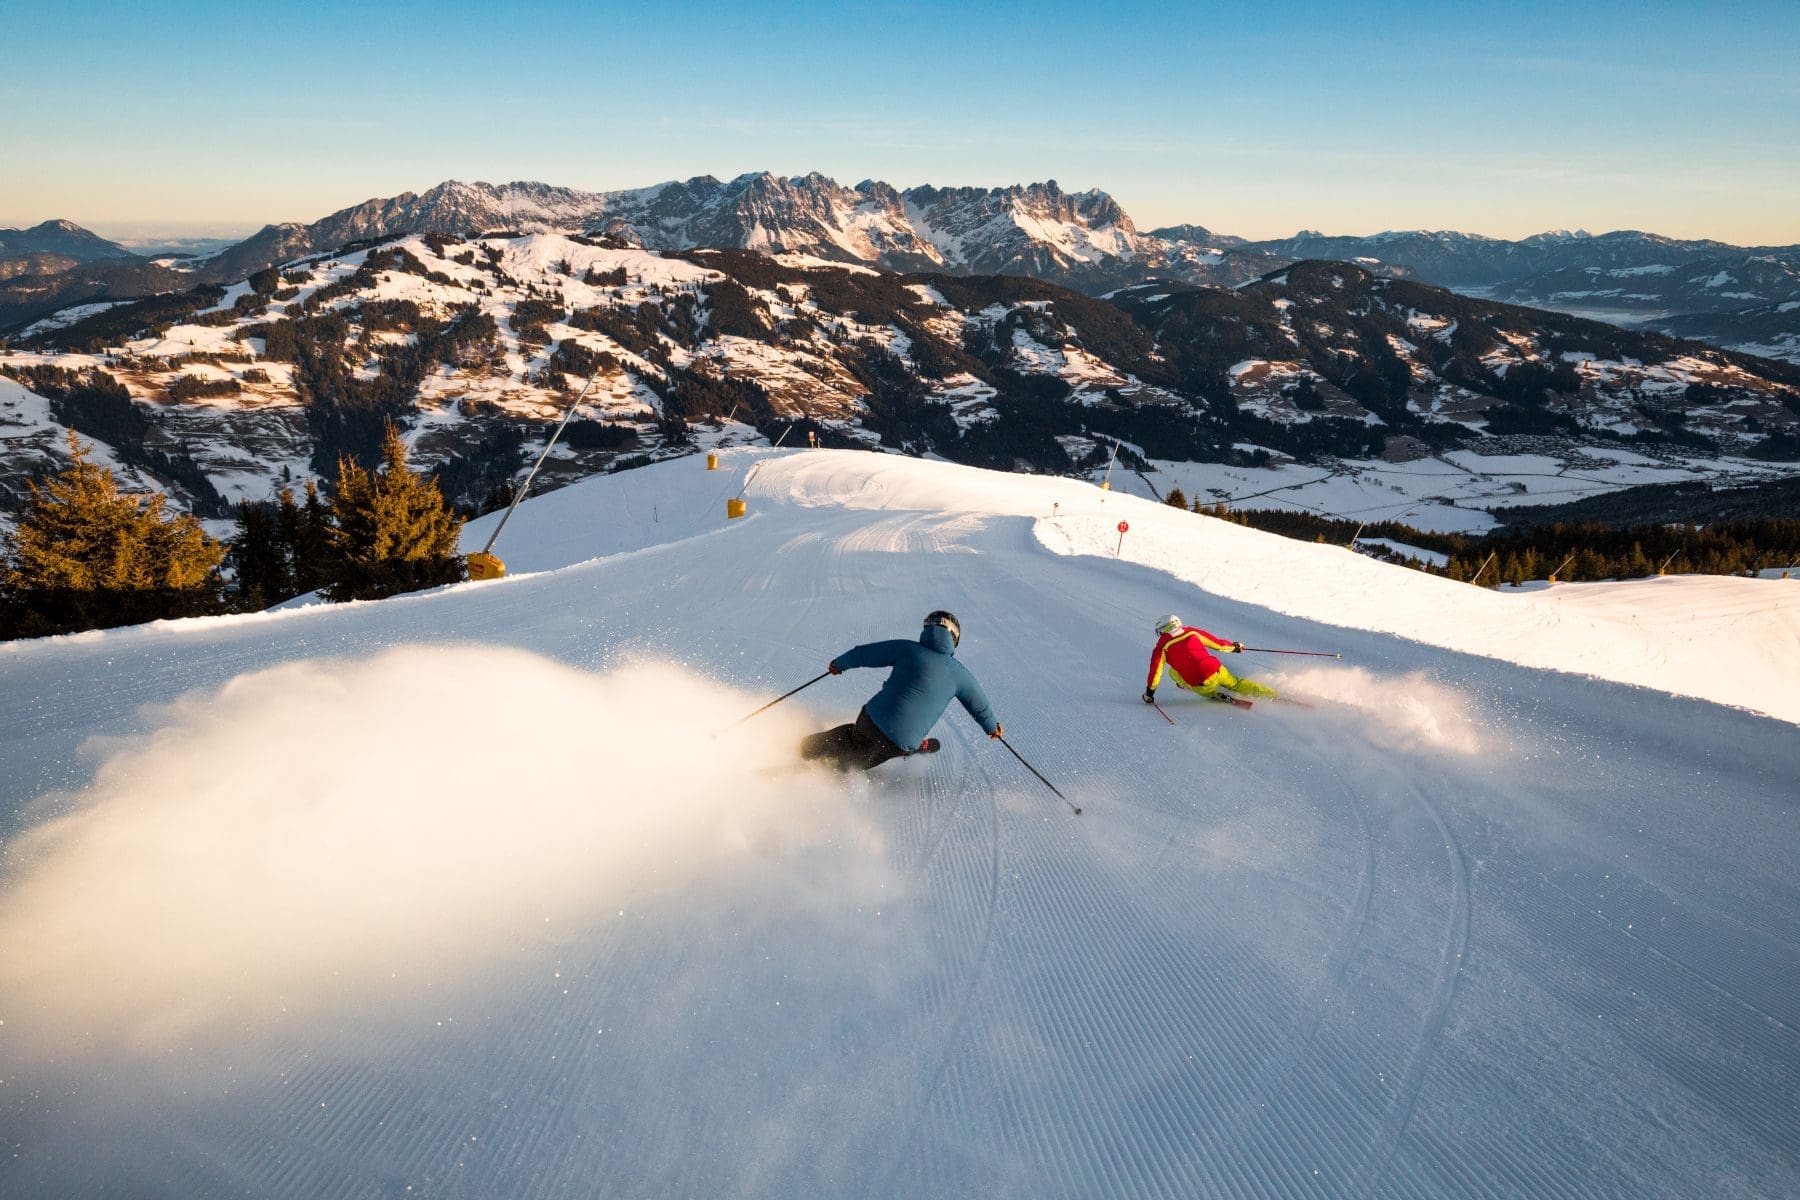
x: 390, y: 531
x: 306, y: 529
x: 1176, y: 499
x: 265, y: 570
x: 85, y: 556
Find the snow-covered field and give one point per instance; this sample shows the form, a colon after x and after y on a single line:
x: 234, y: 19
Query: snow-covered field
x: 1448, y: 493
x: 456, y: 894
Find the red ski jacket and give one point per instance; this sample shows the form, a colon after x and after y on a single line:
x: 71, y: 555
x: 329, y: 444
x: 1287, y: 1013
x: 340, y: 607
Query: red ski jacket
x: 1186, y: 653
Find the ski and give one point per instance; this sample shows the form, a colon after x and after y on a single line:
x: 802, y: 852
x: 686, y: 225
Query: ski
x: 1234, y: 701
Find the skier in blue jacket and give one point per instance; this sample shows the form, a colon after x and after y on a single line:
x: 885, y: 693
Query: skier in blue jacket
x: 925, y: 678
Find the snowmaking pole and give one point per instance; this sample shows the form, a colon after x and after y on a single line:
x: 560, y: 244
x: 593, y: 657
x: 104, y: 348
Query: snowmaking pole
x: 483, y: 564
x: 1040, y: 775
x: 759, y: 466
x: 1106, y: 481
x: 1484, y: 566
x: 734, y: 507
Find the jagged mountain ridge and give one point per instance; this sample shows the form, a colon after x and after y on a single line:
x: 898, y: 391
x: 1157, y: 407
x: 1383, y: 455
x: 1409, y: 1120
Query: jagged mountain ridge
x: 1036, y: 229
x: 1083, y: 240
x: 228, y: 394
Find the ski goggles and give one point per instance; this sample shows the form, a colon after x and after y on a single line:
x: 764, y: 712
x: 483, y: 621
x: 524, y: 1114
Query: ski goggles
x: 948, y: 622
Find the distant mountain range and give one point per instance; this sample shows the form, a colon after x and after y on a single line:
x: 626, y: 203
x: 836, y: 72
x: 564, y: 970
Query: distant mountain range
x: 1740, y: 297
x: 226, y: 393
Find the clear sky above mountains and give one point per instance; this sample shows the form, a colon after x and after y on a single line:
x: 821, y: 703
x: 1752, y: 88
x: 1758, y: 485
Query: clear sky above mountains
x: 1681, y: 118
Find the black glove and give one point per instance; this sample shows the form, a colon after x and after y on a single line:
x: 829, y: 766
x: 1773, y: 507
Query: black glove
x: 1237, y: 647
x: 1149, y: 695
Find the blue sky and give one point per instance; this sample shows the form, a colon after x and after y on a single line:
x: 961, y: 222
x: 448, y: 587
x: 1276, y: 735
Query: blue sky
x: 1503, y: 119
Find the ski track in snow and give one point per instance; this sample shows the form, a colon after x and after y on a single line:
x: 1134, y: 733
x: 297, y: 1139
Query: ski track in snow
x: 1273, y: 959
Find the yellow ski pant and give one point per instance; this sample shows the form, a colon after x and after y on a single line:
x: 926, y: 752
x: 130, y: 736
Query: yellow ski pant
x: 1223, y: 678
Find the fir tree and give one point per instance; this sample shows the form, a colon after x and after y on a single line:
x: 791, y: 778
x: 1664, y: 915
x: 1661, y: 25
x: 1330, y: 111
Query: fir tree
x: 391, y: 531
x: 306, y: 531
x: 265, y: 570
x: 86, y: 556
x: 1176, y: 499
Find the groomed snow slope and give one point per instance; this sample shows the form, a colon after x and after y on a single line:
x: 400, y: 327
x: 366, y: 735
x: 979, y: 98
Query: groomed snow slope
x: 453, y: 895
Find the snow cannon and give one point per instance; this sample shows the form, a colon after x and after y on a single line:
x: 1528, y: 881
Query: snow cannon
x: 712, y: 461
x: 734, y: 507
x: 483, y: 565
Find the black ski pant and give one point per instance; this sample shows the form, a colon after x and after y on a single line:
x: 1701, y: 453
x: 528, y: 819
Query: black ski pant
x: 854, y: 747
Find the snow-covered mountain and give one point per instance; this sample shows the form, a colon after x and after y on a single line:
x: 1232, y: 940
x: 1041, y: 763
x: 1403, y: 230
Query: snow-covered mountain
x: 1036, y: 230
x: 63, y: 238
x: 1083, y: 240
x: 1729, y: 296
x: 452, y: 895
x: 1452, y: 259
x: 225, y: 394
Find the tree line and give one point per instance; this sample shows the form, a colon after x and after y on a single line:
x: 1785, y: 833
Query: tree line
x: 87, y: 555
x: 1573, y: 552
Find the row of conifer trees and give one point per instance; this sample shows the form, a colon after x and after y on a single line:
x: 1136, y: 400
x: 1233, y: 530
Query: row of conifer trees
x: 85, y: 555
x: 1572, y: 552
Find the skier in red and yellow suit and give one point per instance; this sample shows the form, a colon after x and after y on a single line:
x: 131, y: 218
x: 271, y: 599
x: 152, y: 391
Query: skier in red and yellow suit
x: 1187, y: 652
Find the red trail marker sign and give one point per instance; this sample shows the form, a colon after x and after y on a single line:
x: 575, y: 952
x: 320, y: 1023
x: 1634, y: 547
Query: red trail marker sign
x: 1123, y: 529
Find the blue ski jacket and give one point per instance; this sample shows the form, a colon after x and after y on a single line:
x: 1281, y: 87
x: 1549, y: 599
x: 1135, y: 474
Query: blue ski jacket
x: 926, y: 677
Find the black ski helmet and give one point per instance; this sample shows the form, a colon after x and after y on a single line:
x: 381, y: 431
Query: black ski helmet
x: 948, y: 621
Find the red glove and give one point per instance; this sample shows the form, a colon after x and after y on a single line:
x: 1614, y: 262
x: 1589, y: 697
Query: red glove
x: 834, y: 668
x: 999, y: 731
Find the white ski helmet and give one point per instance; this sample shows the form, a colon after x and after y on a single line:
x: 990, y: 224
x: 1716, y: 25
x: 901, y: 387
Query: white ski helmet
x: 1168, y: 624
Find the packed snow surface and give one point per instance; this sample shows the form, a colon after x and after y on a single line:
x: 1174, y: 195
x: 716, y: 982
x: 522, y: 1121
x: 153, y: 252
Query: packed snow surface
x: 458, y: 895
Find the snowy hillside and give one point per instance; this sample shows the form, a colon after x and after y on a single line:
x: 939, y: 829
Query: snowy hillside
x: 457, y: 895
x: 474, y: 345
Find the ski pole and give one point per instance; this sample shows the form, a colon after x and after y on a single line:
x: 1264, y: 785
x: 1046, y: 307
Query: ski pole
x: 1159, y: 708
x: 776, y: 700
x: 1039, y: 774
x: 1308, y: 653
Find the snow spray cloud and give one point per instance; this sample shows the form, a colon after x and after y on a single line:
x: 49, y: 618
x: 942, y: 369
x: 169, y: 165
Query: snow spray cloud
x: 336, y: 835
x: 1404, y: 714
